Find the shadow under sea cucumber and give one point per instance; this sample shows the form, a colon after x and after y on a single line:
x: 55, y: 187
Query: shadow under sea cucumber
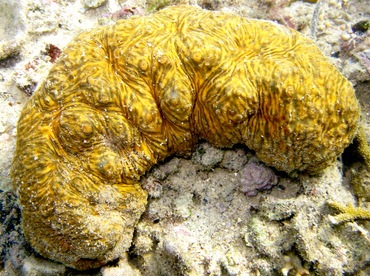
x: 123, y: 97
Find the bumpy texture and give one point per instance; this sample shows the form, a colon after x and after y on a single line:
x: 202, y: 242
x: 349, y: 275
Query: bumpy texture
x: 122, y: 97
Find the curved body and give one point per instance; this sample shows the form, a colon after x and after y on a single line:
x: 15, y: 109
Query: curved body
x: 122, y: 97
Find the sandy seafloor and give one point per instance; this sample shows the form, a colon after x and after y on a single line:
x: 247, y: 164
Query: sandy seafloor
x: 203, y: 218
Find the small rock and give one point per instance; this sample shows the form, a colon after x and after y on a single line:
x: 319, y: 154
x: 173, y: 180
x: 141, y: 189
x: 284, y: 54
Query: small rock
x: 256, y: 177
x: 234, y: 159
x: 163, y: 171
x: 91, y: 4
x: 37, y: 266
x: 207, y: 155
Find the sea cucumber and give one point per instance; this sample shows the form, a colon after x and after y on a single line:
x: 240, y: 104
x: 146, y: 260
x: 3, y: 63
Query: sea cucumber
x: 120, y: 98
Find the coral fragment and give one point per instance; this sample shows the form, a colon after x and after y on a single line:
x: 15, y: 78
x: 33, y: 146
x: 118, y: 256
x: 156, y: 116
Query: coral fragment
x: 348, y: 213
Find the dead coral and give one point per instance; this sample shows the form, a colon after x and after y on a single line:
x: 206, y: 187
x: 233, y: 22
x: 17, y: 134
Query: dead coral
x: 293, y: 264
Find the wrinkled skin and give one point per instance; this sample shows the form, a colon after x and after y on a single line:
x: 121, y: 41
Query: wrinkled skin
x: 123, y: 97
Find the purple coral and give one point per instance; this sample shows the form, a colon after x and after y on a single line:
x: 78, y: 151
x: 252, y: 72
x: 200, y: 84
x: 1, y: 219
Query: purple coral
x: 255, y: 177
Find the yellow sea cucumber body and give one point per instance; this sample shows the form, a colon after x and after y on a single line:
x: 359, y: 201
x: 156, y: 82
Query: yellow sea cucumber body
x: 122, y: 97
